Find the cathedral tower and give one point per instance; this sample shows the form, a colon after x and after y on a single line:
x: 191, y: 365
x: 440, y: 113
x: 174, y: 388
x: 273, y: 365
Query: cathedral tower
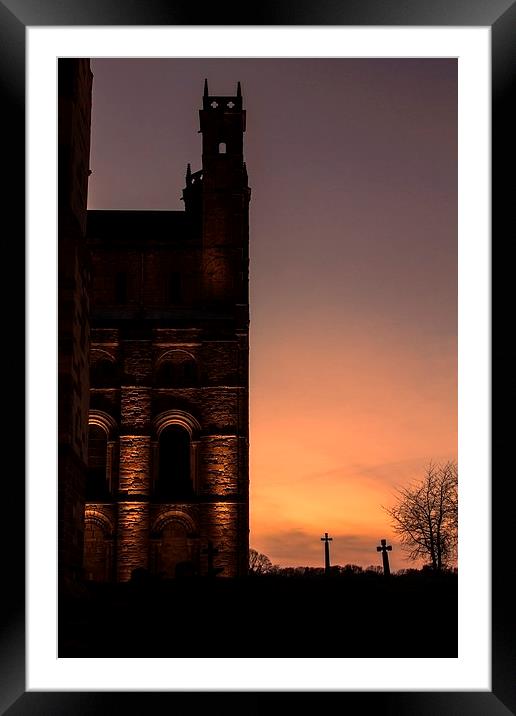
x: 169, y: 426
x: 225, y: 199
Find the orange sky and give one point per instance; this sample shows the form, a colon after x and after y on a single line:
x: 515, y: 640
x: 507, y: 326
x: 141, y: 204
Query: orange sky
x: 353, y: 417
x: 353, y: 272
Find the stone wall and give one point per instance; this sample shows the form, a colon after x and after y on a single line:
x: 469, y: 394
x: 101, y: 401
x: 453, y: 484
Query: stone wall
x: 132, y: 538
x: 219, y: 450
x: 74, y: 111
x: 134, y: 464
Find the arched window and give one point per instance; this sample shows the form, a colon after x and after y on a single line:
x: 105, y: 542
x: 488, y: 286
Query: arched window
x: 175, y: 545
x: 167, y: 375
x: 178, y: 370
x: 174, y: 476
x: 98, y: 547
x: 103, y: 373
x: 97, y: 487
x: 222, y: 147
x: 175, y: 554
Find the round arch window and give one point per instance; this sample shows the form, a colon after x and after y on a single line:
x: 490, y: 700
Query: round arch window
x: 174, y: 478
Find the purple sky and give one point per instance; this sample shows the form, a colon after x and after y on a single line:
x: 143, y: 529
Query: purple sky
x: 353, y: 241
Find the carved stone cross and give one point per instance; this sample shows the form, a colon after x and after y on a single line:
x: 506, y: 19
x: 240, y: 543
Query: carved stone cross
x: 384, y: 548
x: 326, y: 541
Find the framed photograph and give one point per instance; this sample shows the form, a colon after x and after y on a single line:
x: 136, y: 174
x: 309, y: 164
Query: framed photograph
x: 478, y: 41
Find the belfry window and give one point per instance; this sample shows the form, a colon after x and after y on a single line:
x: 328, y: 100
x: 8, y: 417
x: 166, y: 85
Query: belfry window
x: 174, y: 481
x: 222, y: 148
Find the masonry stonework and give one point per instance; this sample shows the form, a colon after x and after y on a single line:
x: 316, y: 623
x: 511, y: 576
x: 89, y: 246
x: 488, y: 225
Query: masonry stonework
x: 169, y: 372
x: 74, y: 102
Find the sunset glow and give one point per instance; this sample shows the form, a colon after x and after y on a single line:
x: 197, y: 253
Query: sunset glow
x: 353, y: 293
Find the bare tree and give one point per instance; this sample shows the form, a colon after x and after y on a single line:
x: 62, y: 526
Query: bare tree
x: 425, y: 516
x: 258, y: 563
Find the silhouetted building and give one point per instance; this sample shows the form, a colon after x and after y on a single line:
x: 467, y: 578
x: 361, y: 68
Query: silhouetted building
x: 168, y: 419
x: 74, y: 104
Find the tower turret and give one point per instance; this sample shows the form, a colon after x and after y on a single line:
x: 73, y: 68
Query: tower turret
x: 225, y: 203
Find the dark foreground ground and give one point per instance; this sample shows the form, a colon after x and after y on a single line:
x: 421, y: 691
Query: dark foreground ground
x: 263, y: 616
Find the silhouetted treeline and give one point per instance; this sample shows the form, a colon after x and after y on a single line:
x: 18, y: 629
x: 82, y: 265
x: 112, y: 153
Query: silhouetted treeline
x: 348, y: 570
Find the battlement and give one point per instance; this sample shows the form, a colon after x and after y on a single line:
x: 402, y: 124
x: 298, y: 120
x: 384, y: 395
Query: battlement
x: 220, y: 103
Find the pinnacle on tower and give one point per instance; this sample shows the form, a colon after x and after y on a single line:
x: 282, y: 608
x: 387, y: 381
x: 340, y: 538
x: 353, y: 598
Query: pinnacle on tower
x: 205, y: 87
x: 188, y: 174
x: 239, y: 90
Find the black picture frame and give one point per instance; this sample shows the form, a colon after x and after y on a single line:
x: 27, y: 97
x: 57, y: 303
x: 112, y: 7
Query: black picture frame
x: 500, y: 16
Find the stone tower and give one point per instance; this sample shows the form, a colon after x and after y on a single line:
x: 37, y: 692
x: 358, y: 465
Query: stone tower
x: 74, y: 96
x: 168, y: 423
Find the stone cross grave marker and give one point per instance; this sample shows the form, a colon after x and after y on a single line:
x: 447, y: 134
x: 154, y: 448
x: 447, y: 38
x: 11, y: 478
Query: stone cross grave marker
x: 326, y: 541
x: 384, y: 548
